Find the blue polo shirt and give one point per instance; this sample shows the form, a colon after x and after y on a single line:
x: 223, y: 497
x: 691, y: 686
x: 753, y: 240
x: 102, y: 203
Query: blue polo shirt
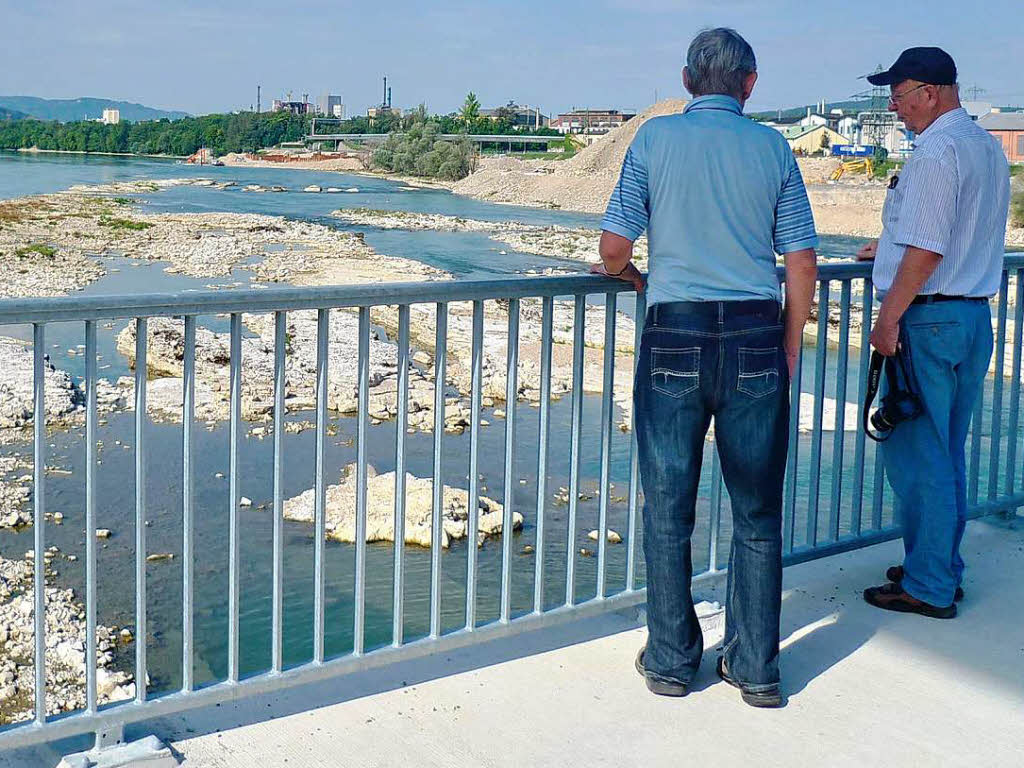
x: 719, y: 195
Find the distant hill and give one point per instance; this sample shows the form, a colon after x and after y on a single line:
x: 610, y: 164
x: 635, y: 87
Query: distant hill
x: 860, y: 105
x: 10, y: 114
x: 70, y: 110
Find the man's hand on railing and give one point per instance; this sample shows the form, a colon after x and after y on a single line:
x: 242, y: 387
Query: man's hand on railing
x: 631, y: 275
x: 867, y: 252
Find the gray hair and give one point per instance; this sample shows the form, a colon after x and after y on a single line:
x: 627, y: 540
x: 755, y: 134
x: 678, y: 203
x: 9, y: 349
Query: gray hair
x: 718, y: 60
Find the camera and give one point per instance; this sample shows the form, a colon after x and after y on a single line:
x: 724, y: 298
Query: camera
x: 901, y: 402
x: 896, y: 407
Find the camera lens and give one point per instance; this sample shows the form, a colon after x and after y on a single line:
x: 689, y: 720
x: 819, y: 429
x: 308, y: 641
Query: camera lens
x: 880, y: 422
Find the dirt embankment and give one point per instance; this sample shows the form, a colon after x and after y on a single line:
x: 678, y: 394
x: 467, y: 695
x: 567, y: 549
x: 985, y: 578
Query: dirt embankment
x: 850, y: 206
x: 340, y: 161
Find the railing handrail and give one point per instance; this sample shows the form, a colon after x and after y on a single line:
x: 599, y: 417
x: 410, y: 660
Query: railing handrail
x: 256, y: 300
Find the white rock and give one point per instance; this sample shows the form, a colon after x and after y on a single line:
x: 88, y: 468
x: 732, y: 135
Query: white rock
x: 612, y: 536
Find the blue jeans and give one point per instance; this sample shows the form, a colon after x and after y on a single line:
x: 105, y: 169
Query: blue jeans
x: 698, y: 360
x: 950, y: 345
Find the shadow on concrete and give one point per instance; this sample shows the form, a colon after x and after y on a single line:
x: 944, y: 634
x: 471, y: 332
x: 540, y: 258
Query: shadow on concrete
x: 357, y: 685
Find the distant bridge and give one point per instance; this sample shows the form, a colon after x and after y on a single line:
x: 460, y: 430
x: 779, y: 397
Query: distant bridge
x: 476, y: 138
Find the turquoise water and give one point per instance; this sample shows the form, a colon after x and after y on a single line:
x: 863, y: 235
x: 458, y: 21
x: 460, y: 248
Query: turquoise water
x: 463, y: 254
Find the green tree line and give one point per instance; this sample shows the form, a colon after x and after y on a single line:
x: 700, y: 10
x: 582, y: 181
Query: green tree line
x: 242, y: 132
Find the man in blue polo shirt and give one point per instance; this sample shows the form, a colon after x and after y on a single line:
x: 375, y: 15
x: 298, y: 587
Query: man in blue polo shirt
x: 719, y: 197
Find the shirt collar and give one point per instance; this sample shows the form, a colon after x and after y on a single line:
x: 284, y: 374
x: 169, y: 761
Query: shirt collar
x: 715, y: 101
x: 944, y: 121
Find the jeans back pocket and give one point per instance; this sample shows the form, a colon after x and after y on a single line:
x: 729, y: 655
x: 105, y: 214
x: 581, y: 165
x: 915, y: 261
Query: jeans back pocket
x: 758, y: 371
x: 675, y: 372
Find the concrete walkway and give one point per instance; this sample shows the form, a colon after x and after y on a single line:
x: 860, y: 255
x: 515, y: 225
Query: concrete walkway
x: 865, y: 687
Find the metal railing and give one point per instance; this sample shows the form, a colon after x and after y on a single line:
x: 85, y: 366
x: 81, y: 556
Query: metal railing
x: 855, y: 514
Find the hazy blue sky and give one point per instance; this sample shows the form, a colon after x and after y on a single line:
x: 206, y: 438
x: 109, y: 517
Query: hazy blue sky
x: 208, y: 56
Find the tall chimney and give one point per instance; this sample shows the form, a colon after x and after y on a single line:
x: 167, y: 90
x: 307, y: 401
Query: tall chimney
x: 257, y: 99
x: 389, y: 98
x: 385, y: 100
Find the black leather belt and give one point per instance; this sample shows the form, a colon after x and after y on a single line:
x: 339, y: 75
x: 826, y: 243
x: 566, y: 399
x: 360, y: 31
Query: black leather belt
x: 931, y: 298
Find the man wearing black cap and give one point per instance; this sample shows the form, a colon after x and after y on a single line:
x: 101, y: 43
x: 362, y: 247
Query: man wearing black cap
x: 937, y: 263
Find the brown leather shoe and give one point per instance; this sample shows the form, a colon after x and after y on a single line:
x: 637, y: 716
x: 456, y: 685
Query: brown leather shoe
x: 891, y: 597
x: 895, y: 574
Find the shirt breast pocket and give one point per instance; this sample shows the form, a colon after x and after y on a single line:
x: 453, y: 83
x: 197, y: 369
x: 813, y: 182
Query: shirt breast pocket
x: 891, y: 208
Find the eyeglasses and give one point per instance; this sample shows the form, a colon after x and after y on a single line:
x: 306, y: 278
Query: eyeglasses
x: 896, y: 98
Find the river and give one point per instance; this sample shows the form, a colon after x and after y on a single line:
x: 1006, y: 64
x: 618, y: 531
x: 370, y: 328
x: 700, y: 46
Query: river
x: 465, y: 255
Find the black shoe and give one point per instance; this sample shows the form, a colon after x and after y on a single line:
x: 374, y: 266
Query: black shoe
x: 895, y: 575
x: 663, y: 686
x: 891, y: 597
x: 770, y: 697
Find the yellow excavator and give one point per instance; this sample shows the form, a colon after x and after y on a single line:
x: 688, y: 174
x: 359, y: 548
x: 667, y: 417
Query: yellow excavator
x: 853, y: 166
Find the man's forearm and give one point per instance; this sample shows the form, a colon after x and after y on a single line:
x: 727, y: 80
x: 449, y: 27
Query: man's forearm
x: 801, y: 277
x: 915, y: 269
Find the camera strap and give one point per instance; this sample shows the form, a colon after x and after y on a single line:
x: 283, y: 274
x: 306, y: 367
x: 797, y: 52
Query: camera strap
x: 900, y: 372
x: 874, y: 380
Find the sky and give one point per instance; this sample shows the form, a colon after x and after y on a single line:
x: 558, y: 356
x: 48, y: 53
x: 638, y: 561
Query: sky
x: 209, y: 56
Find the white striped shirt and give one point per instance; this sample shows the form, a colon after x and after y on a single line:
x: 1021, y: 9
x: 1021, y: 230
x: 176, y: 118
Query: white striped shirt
x: 952, y: 198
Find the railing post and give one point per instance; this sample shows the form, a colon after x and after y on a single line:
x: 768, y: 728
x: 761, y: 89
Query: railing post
x: 188, y: 504
x: 39, y: 515
x: 320, y: 503
x: 511, y: 398
x: 437, y: 510
x: 401, y: 424
x: 839, y: 426
x: 362, y: 429
x: 235, y: 428
x: 91, y: 704
x: 141, y: 369
x: 579, y: 325
x: 639, y: 318
x: 473, y: 523
x: 820, y: 355
x: 544, y: 429
x: 280, y: 382
x: 607, y: 404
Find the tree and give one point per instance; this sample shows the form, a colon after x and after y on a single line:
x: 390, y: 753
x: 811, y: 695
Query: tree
x: 470, y: 108
x: 507, y: 113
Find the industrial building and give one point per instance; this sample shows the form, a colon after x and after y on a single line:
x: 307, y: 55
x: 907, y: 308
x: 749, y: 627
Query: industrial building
x: 295, y: 107
x: 1008, y: 129
x: 521, y: 116
x: 811, y: 139
x: 331, y: 106
x: 590, y: 121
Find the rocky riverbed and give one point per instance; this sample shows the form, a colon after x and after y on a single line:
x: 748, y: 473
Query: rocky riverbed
x: 52, y: 241
x: 65, y: 646
x: 576, y: 243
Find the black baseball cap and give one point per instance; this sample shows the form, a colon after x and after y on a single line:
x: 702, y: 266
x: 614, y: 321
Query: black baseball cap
x: 926, y: 65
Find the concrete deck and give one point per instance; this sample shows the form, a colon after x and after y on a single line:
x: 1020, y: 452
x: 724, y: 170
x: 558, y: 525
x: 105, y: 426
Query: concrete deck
x: 864, y: 687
